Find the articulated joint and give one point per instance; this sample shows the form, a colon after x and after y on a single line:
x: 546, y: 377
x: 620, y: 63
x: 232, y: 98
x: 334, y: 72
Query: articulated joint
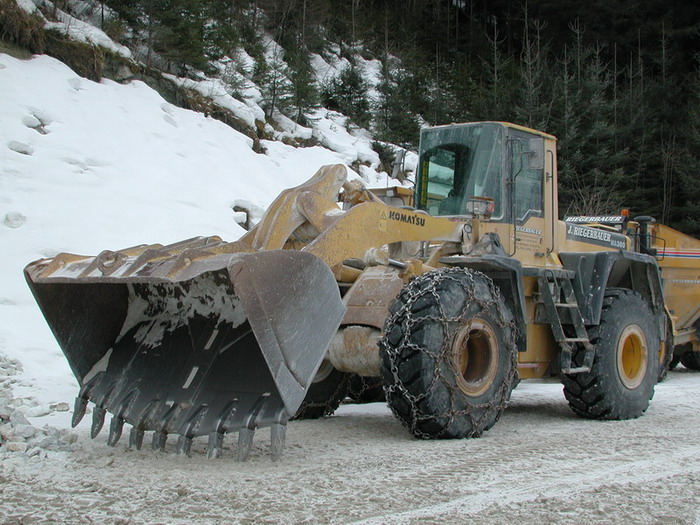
x: 354, y: 349
x: 408, y: 269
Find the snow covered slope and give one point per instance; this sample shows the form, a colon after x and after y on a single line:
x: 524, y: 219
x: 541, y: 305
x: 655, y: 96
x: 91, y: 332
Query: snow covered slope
x: 88, y: 166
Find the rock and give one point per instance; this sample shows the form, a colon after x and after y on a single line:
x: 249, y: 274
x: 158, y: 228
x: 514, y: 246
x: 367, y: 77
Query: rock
x: 123, y: 73
x: 68, y: 437
x: 17, y: 418
x: 34, y: 451
x: 25, y: 431
x: 16, y: 446
x: 60, y: 407
x: 38, y: 411
x: 49, y: 442
x: 8, y: 433
x: 5, y: 413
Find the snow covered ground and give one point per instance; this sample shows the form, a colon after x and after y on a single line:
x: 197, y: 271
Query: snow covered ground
x: 539, y: 464
x: 88, y: 166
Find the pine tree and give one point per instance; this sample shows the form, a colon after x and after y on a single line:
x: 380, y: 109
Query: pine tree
x: 221, y: 32
x: 304, y: 95
x: 347, y: 93
x: 271, y: 76
x: 179, y: 34
x: 393, y: 122
x: 534, y: 99
x: 496, y: 102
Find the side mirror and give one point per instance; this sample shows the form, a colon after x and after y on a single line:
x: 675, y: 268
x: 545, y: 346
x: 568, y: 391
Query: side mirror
x: 536, y: 153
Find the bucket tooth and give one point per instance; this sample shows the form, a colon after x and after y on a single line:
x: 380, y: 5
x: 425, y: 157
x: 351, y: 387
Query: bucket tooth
x: 246, y: 433
x: 98, y: 419
x: 159, y: 441
x: 167, y: 418
x: 228, y: 414
x: 184, y: 445
x: 125, y: 408
x: 79, y: 409
x: 115, y: 430
x: 193, y: 422
x: 245, y: 443
x: 278, y: 435
x: 216, y: 441
x: 136, y: 438
x: 102, y: 395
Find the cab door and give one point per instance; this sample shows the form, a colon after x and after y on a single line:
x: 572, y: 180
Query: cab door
x: 528, y: 197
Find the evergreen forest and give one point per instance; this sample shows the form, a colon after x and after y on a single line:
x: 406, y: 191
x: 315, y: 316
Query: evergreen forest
x: 618, y: 82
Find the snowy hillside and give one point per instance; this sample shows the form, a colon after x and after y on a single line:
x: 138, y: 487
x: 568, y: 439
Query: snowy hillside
x: 87, y: 166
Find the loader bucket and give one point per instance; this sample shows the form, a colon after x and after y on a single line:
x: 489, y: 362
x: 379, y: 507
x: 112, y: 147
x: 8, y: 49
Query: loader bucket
x: 187, y: 339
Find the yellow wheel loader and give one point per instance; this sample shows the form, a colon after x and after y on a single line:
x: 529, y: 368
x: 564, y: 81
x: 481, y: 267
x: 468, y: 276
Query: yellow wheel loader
x: 447, y: 296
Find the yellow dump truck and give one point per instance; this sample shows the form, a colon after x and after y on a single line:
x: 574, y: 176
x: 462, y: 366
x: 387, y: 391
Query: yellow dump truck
x: 448, y: 298
x: 678, y: 256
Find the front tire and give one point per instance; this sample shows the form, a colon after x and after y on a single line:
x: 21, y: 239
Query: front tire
x: 366, y: 389
x: 449, y: 358
x: 329, y: 388
x: 625, y: 369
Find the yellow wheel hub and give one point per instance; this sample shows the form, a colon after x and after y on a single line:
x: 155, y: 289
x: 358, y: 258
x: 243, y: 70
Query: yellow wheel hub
x: 475, y: 355
x: 632, y: 356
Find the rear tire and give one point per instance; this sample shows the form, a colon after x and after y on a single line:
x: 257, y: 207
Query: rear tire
x: 327, y: 391
x: 449, y: 358
x: 666, y: 355
x: 691, y: 360
x: 624, y: 372
x: 366, y: 389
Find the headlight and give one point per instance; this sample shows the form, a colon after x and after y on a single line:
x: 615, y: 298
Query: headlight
x: 480, y: 207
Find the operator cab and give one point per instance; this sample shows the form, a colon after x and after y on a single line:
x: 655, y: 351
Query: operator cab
x: 488, y: 169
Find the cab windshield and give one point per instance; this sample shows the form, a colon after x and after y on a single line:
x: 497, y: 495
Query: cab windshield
x: 458, y: 163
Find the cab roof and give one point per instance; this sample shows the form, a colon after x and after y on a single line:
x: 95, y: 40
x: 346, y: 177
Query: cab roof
x: 504, y: 124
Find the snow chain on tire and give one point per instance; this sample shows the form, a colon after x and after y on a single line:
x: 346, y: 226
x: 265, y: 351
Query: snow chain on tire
x: 418, y: 368
x: 325, y: 396
x: 366, y: 389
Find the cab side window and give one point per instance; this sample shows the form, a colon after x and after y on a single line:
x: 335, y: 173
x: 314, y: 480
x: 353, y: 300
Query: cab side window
x: 528, y: 187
